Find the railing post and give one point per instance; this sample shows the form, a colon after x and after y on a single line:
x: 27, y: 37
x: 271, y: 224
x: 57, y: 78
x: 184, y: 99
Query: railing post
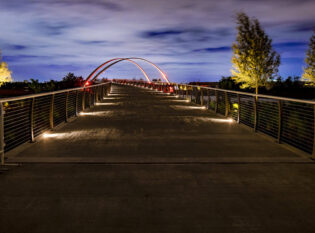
x: 255, y: 114
x: 209, y: 98
x: 66, y: 107
x: 186, y: 93
x: 32, y: 120
x: 90, y: 99
x: 51, y: 112
x: 76, y: 103
x: 313, y: 154
x: 196, y: 92
x: 279, y: 120
x: 226, y: 104
x: 239, y: 109
x: 2, y: 144
x: 216, y: 101
x: 95, y: 92
x: 191, y: 94
x: 201, y: 101
x: 83, y: 100
x: 105, y: 91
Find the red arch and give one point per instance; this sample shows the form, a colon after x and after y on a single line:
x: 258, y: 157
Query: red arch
x: 90, y: 77
x: 158, y: 68
x: 119, y: 59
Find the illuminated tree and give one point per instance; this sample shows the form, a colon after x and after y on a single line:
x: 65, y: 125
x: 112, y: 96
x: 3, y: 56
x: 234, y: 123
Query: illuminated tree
x: 254, y: 61
x: 309, y: 70
x: 5, y: 73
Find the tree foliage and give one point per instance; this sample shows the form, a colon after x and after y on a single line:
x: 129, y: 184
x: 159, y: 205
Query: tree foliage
x: 254, y: 61
x: 70, y: 80
x: 309, y: 70
x: 5, y: 73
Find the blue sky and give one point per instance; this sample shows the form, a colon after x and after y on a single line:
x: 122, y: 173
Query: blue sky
x: 189, y: 40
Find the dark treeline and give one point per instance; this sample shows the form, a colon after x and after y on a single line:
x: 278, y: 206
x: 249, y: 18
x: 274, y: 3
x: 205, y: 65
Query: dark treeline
x: 34, y: 86
x: 291, y: 87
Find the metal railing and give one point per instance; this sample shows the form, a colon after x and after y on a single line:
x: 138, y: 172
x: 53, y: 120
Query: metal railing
x: 23, y: 118
x: 288, y: 120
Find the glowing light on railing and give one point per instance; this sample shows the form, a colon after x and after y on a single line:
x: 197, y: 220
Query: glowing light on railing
x: 211, y: 119
x: 100, y: 113
x: 111, y: 98
x: 219, y: 120
x: 106, y: 104
x: 117, y: 94
x: 189, y: 107
x: 82, y: 134
x: 176, y: 100
x: 54, y: 135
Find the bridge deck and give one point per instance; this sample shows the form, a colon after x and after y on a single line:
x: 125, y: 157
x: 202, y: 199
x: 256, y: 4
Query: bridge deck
x: 143, y: 161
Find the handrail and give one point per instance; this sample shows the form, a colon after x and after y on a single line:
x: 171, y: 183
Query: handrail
x: 254, y: 95
x: 2, y: 100
x: 237, y: 92
x: 288, y: 120
x: 23, y: 118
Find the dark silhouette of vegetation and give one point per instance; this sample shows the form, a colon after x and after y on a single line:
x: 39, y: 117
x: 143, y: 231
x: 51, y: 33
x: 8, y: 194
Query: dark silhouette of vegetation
x: 290, y: 87
x: 34, y: 86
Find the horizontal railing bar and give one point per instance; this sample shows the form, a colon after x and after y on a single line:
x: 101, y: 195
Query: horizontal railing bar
x: 244, y: 93
x: 2, y: 100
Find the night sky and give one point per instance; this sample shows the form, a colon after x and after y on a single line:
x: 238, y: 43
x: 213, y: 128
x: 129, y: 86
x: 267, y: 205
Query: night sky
x: 189, y: 39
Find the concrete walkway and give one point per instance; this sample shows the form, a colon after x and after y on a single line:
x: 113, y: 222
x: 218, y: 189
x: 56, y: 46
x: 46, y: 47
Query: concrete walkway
x: 143, y: 161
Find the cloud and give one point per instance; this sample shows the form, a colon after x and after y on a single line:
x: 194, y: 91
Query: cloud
x: 290, y: 44
x: 19, y: 58
x: 93, y: 42
x: 188, y: 38
x: 213, y: 50
x: 303, y: 27
x: 16, y: 47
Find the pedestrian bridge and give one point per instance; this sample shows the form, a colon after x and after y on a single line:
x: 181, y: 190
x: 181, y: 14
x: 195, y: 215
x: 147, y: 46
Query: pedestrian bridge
x: 135, y: 122
x: 133, y: 156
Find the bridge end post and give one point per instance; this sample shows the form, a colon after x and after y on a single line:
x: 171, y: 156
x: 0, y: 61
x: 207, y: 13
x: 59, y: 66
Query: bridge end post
x: 51, y: 112
x: 2, y: 144
x: 279, y: 121
x: 227, y: 104
x: 216, y: 101
x: 66, y: 107
x: 239, y: 109
x: 76, y: 103
x: 313, y: 153
x: 255, y: 113
x: 83, y: 100
x: 32, y: 120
